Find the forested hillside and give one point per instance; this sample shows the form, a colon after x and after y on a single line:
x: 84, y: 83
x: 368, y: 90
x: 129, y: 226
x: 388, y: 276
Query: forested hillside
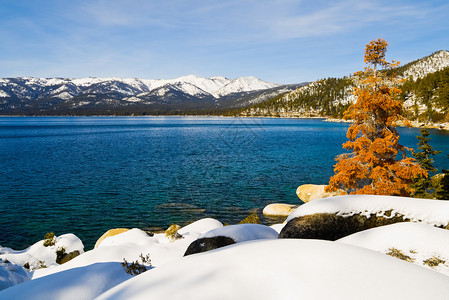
x: 425, y: 94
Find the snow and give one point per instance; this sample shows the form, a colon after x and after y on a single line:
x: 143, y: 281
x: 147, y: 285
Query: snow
x: 4, y: 94
x: 132, y: 243
x: 11, y: 274
x: 243, y: 232
x: 285, y: 269
x: 38, y: 254
x: 434, y: 212
x: 243, y: 84
x: 430, y: 64
x: 419, y: 241
x: 78, y: 283
x: 200, y: 227
x: 259, y: 266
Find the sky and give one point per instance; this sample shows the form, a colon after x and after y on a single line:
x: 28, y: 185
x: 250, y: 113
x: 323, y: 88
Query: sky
x: 282, y: 41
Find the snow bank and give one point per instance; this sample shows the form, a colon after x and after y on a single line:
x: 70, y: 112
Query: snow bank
x: 201, y: 226
x: 130, y: 244
x: 435, y: 212
x: 11, y: 274
x: 285, y: 269
x: 78, y: 283
x: 38, y: 255
x: 420, y: 242
x: 243, y: 232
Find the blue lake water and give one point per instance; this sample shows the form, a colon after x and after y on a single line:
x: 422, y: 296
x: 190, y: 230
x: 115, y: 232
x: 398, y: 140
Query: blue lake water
x: 86, y: 175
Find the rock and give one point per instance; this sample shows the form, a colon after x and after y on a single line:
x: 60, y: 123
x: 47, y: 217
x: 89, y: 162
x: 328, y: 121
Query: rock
x: 329, y: 226
x: 67, y: 256
x: 231, y: 234
x: 309, y: 192
x: 278, y: 209
x: 110, y: 232
x: 206, y: 244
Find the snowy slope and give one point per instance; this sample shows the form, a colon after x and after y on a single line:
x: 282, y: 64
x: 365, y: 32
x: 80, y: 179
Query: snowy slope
x: 426, y: 65
x: 285, y: 269
x: 420, y: 242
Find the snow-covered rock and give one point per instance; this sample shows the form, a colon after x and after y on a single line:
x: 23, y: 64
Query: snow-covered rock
x: 434, y: 212
x: 243, y: 232
x: 37, y: 255
x: 285, y: 269
x: 419, y: 242
x: 229, y: 235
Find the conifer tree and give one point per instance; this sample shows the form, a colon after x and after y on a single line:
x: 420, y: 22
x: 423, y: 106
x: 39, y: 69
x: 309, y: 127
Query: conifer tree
x: 422, y: 184
x: 373, y: 166
x: 442, y: 191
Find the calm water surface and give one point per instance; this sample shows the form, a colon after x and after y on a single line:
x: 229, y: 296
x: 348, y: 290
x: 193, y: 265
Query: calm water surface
x: 86, y: 175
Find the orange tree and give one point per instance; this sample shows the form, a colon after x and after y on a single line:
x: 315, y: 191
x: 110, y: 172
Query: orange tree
x: 377, y: 164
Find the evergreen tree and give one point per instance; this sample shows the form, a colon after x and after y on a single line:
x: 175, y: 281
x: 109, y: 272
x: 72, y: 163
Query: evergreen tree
x: 422, y: 184
x: 442, y: 191
x: 372, y: 166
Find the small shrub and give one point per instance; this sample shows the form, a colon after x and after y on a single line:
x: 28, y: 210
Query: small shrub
x: 49, y: 239
x: 251, y: 219
x: 399, y: 254
x: 172, y: 232
x: 41, y: 264
x: 433, y: 262
x: 136, y: 267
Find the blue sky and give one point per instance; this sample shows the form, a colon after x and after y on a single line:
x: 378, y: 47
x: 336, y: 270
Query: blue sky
x: 282, y: 41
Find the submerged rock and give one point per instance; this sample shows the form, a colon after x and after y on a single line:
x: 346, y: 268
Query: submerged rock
x: 309, y: 192
x: 279, y: 209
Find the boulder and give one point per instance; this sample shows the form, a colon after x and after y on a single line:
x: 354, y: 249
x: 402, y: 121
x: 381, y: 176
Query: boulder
x: 278, y: 209
x: 206, y: 244
x: 110, y: 232
x: 231, y: 234
x: 309, y: 192
x: 67, y: 256
x: 330, y: 226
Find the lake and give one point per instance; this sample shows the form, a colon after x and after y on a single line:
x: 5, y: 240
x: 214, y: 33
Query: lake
x: 86, y: 175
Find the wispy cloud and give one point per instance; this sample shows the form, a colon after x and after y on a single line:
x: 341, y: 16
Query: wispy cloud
x: 339, y: 17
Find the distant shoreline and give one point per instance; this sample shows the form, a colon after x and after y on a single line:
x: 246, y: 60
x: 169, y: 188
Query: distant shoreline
x: 414, y: 124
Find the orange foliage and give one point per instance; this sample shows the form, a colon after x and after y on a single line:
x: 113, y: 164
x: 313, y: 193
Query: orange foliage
x: 373, y: 166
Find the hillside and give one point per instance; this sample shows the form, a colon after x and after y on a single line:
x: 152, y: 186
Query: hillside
x: 425, y: 94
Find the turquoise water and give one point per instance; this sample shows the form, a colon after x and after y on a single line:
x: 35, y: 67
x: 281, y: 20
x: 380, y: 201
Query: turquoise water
x: 86, y: 175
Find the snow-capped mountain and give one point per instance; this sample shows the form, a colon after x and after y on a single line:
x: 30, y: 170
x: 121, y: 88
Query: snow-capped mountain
x: 55, y: 95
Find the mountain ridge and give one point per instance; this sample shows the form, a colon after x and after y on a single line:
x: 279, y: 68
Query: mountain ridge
x: 115, y: 95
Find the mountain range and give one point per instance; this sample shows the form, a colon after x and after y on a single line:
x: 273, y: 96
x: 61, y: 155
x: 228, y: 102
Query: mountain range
x: 187, y: 94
